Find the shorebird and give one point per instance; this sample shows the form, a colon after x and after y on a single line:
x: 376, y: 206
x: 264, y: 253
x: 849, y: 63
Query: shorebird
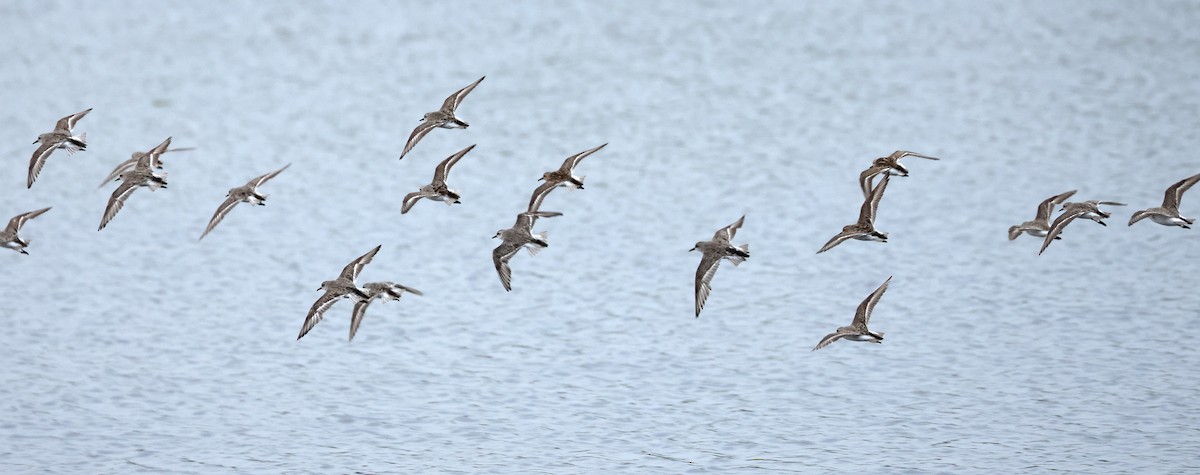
x: 1168, y: 213
x: 564, y: 176
x: 720, y: 247
x: 889, y: 165
x: 341, y: 287
x: 142, y: 174
x: 1070, y: 211
x: 858, y: 331
x: 864, y: 229
x: 9, y: 237
x: 377, y: 290
x: 437, y: 189
x: 129, y: 164
x: 1041, y: 221
x: 60, y: 137
x: 247, y: 193
x: 519, y: 236
x: 443, y: 118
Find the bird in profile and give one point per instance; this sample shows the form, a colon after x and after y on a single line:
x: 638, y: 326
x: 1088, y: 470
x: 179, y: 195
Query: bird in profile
x: 889, y: 165
x: 519, y: 236
x: 9, y: 237
x: 437, y: 190
x: 142, y: 174
x: 341, y: 287
x: 132, y: 162
x: 1070, y: 211
x: 443, y: 118
x: 1041, y: 221
x: 720, y: 247
x: 1168, y: 213
x: 377, y: 290
x: 864, y: 229
x: 247, y: 193
x: 858, y: 331
x: 61, y: 137
x: 564, y: 176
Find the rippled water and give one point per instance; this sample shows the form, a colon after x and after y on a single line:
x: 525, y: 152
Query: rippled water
x: 139, y: 349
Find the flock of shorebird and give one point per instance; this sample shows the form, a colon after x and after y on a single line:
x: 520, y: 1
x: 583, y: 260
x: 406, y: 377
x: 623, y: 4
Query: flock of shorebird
x: 139, y: 171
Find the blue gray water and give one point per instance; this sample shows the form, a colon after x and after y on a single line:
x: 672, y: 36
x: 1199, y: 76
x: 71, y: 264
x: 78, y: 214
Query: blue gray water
x: 140, y: 350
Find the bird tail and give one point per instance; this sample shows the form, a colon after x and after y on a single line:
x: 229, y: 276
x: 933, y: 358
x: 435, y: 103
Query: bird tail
x: 75, y: 144
x: 539, y: 242
x: 159, y: 181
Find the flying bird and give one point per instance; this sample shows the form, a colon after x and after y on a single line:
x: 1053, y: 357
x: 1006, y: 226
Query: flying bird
x: 60, y: 137
x: 142, y: 174
x: 443, y: 118
x: 1168, y: 213
x: 1070, y: 211
x: 564, y: 176
x: 720, y: 247
x: 864, y: 229
x: 858, y: 331
x: 377, y: 290
x: 247, y: 193
x: 1041, y: 221
x: 519, y: 236
x: 9, y: 237
x: 889, y: 165
x: 341, y: 287
x: 437, y: 190
x: 132, y: 162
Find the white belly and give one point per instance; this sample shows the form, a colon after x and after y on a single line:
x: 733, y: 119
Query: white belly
x: 1167, y: 220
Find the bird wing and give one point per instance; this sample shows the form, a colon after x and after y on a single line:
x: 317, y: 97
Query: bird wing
x: 455, y: 99
x: 864, y: 178
x: 1047, y: 207
x: 539, y: 194
x: 1059, y: 223
x: 150, y: 159
x: 832, y: 337
x: 38, y: 160
x: 226, y: 206
x: 116, y: 202
x: 121, y: 168
x: 500, y: 256
x: 897, y: 155
x: 704, y: 274
x: 443, y: 169
x: 318, y: 311
x: 360, y: 309
x: 866, y: 214
x: 411, y: 200
x: 570, y: 163
x: 67, y: 123
x: 353, y: 268
x: 727, y: 233
x: 258, y: 181
x: 863, y: 314
x: 834, y: 241
x: 19, y: 220
x: 1175, y: 192
x: 418, y: 133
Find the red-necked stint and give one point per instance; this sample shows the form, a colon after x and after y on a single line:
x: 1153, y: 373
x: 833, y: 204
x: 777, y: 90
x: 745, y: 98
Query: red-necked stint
x: 519, y: 236
x: 720, y: 247
x: 443, y: 118
x: 1041, y: 221
x: 342, y: 287
x: 437, y: 190
x: 1070, y: 211
x: 129, y: 164
x: 864, y: 229
x: 1168, y: 213
x: 9, y: 237
x: 564, y: 176
x: 858, y: 331
x: 247, y: 193
x: 377, y: 290
x: 142, y: 174
x: 60, y: 137
x: 889, y: 164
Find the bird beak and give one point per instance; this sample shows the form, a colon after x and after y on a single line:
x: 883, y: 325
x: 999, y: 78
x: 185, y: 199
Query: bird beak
x: 539, y: 179
x: 692, y: 249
